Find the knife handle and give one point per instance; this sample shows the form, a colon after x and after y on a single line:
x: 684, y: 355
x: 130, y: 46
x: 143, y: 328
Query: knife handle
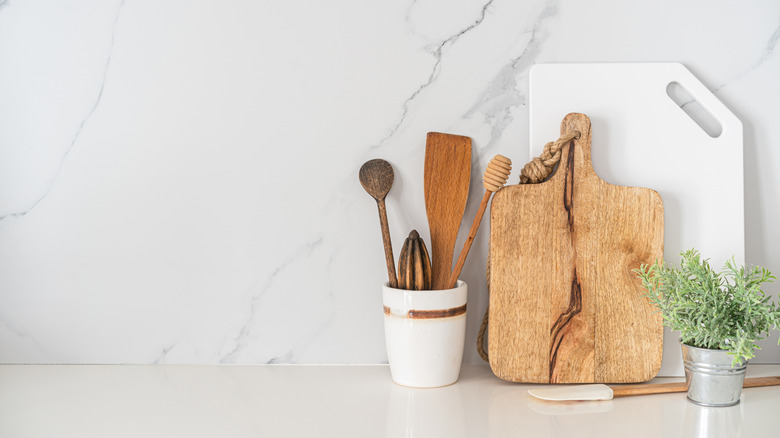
x: 662, y: 388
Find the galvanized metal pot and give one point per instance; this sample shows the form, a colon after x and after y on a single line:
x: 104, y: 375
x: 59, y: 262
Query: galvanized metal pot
x: 710, y: 377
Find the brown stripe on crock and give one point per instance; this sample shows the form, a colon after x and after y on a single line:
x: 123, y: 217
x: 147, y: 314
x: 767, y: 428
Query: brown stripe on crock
x: 433, y: 314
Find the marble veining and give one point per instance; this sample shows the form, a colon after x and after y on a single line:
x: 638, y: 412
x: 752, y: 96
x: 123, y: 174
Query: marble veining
x: 509, y: 89
x: 178, y: 180
x: 53, y: 178
x: 436, y: 50
x: 765, y: 55
x: 257, y: 293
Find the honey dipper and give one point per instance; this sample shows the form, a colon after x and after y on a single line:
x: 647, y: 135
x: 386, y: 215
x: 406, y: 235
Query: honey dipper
x: 495, y: 177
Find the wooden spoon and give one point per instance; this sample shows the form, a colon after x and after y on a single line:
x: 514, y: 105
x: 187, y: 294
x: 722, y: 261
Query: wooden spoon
x: 376, y: 176
x: 447, y: 176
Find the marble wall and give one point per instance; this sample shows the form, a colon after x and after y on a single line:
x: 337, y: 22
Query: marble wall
x: 178, y: 179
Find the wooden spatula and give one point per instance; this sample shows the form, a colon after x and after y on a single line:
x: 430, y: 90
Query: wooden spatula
x: 604, y: 392
x: 447, y: 177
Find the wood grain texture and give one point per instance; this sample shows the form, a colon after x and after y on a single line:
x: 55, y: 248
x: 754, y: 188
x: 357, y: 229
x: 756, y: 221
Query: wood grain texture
x: 446, y: 183
x: 565, y: 306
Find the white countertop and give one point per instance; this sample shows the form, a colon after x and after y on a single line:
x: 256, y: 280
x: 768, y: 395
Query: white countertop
x: 289, y: 400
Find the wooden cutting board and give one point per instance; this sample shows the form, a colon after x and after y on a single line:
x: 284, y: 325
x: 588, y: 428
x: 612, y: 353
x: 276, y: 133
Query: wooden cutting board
x: 643, y: 138
x: 565, y: 306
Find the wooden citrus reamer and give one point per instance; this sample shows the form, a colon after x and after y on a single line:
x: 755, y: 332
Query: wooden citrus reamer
x: 496, y: 174
x: 414, y: 264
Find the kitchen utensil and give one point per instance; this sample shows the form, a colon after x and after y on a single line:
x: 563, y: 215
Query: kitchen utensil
x: 424, y: 335
x: 600, y: 391
x: 447, y: 176
x: 565, y: 306
x: 376, y: 177
x: 496, y: 174
x: 645, y: 139
x: 414, y: 264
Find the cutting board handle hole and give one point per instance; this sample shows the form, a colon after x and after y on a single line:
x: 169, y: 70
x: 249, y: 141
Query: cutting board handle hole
x: 695, y: 110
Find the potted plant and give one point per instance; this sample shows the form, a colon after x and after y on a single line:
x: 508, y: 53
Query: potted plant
x: 720, y: 317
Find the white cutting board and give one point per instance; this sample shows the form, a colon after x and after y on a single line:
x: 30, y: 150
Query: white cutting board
x: 641, y: 137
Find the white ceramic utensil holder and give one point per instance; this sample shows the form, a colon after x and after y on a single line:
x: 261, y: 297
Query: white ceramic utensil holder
x: 424, y: 334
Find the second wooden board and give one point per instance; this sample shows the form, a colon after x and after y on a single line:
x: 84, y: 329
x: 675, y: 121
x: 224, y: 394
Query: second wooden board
x: 565, y: 306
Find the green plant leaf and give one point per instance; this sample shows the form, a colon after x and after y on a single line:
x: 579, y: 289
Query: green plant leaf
x: 724, y: 310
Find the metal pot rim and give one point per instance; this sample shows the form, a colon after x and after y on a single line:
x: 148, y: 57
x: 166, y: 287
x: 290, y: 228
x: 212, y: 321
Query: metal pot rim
x: 700, y: 348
